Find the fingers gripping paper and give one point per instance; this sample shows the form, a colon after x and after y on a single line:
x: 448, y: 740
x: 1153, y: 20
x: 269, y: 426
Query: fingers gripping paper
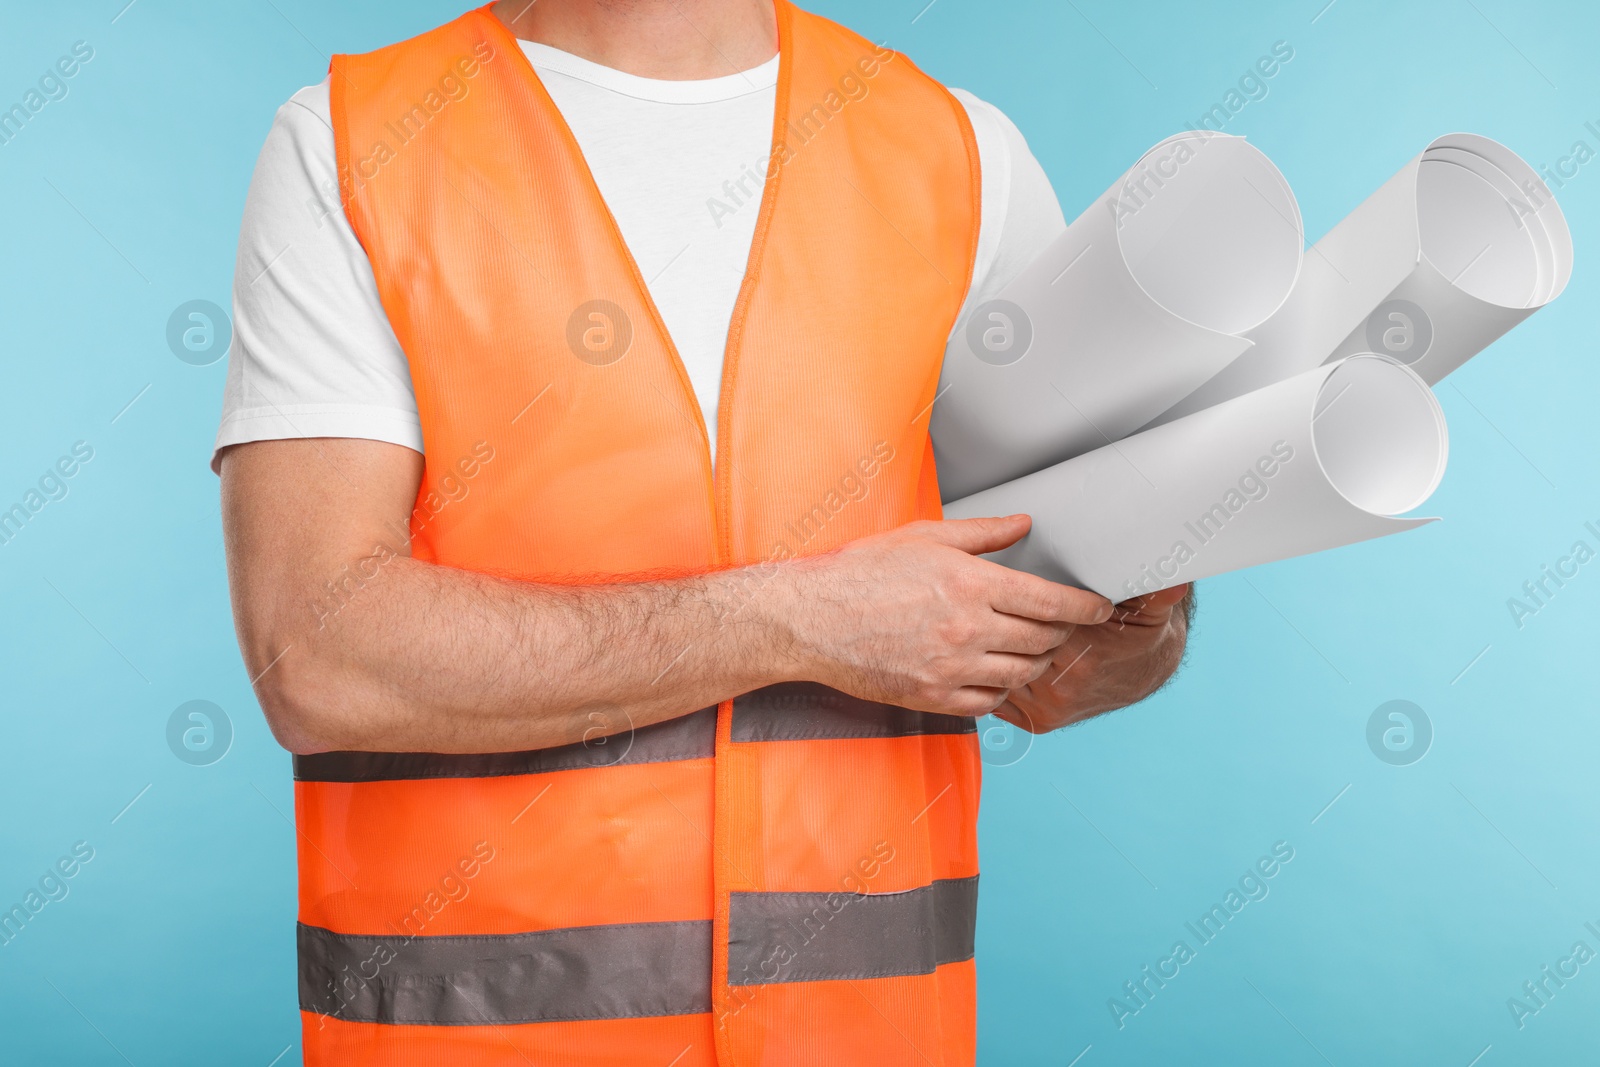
x: 1462, y: 244
x: 1141, y: 300
x: 1326, y: 458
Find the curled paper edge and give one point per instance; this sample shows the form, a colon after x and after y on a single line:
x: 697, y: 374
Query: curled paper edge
x: 1099, y: 354
x: 1249, y: 481
x: 1375, y: 260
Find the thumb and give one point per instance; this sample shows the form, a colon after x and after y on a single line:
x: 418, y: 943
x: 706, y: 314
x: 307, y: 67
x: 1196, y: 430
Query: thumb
x: 978, y: 536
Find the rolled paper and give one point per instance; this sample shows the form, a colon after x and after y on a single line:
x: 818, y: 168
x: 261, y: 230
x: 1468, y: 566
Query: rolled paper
x: 1327, y: 458
x: 1137, y: 303
x: 1462, y: 244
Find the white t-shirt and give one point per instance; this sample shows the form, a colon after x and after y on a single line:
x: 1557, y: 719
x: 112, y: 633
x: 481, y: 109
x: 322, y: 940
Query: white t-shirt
x: 680, y: 165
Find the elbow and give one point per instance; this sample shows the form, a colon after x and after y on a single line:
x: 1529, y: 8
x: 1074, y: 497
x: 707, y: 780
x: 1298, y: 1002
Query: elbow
x: 295, y: 696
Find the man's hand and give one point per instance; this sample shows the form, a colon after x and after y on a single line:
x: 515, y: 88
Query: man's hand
x: 913, y: 617
x: 1101, y: 668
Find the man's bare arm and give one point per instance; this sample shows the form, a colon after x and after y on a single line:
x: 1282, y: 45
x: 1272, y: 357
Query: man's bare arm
x: 420, y: 657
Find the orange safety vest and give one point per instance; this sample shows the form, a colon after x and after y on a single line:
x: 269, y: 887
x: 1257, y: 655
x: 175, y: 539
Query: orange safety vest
x: 789, y: 877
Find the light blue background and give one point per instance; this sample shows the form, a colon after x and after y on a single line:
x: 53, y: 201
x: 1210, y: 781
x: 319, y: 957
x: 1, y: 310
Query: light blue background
x: 1414, y: 906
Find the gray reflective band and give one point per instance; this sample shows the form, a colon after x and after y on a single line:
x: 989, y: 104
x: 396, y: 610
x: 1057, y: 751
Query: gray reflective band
x: 686, y: 737
x: 633, y: 970
x: 806, y: 711
x: 791, y: 711
x: 627, y: 971
x: 816, y: 937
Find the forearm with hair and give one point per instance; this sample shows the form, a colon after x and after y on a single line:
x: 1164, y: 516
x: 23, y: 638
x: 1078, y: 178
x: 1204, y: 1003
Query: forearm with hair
x: 429, y: 658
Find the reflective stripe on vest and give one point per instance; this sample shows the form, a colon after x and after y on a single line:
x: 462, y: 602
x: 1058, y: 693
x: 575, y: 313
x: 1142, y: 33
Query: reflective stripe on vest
x: 633, y: 970
x: 788, y: 878
x: 692, y: 736
x: 793, y: 711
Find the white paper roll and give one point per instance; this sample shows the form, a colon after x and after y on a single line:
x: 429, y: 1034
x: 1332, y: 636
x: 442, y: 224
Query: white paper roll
x: 1462, y: 244
x: 1136, y: 304
x: 1326, y: 458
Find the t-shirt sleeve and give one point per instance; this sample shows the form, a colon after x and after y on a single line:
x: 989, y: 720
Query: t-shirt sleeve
x: 313, y: 352
x: 1020, y: 213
